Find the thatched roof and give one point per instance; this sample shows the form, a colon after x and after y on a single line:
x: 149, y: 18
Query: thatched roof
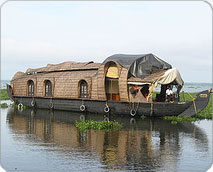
x: 66, y: 66
x: 18, y: 75
x: 149, y: 79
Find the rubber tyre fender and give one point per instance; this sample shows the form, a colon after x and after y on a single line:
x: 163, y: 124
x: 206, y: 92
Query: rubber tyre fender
x: 132, y: 112
x: 82, y: 108
x: 106, y: 109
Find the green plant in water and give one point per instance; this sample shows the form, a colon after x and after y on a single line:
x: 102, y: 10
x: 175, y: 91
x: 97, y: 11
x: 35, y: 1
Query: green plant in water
x: 24, y: 107
x: 4, y: 105
x: 174, y: 122
x: 97, y: 125
x: 176, y: 119
x: 143, y: 116
x: 13, y: 105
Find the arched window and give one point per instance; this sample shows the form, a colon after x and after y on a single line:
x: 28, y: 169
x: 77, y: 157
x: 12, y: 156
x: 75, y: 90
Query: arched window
x: 48, y: 88
x: 84, y: 89
x: 30, y: 88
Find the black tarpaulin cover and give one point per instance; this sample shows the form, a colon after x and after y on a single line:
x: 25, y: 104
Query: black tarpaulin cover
x: 139, y: 65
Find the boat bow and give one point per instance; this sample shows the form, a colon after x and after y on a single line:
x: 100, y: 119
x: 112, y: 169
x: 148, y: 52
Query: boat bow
x: 198, y: 105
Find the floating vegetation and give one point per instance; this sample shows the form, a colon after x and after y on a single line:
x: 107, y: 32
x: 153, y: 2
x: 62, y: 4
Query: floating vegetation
x: 97, y: 125
x: 143, y: 117
x: 16, y: 106
x: 13, y: 105
x: 174, y: 122
x: 4, y: 95
x: 4, y: 105
x: 176, y: 119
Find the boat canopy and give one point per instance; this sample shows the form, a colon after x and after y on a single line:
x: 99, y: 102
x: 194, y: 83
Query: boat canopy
x: 139, y: 66
x: 171, y: 76
x: 164, y: 77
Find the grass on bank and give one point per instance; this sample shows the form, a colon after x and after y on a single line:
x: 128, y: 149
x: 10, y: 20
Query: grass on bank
x: 97, y: 125
x: 4, y: 95
x: 207, y: 112
x: 184, y: 96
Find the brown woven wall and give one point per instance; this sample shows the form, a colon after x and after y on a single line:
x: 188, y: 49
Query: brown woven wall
x: 64, y: 84
x: 100, y: 83
x: 20, y: 87
x: 94, y: 88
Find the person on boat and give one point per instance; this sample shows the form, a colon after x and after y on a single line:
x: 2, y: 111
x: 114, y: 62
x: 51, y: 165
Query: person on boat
x: 169, y: 94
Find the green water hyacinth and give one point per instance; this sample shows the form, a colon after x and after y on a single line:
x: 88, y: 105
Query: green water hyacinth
x: 97, y: 125
x: 4, y: 105
x: 176, y: 119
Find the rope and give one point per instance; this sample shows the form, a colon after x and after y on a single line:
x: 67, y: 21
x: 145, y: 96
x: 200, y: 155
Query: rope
x: 190, y: 95
x: 107, y: 105
x: 195, y: 108
x: 51, y: 103
x: 193, y: 99
x: 183, y: 96
x: 131, y: 103
x: 151, y: 109
x: 137, y: 107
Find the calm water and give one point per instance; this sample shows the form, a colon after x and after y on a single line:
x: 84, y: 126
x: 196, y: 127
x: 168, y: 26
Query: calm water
x: 45, y: 140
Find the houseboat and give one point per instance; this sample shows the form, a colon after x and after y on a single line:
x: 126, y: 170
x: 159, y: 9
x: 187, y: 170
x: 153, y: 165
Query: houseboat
x: 123, y: 84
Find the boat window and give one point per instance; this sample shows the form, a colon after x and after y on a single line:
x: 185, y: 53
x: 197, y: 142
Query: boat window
x: 30, y: 88
x: 84, y: 89
x: 48, y: 88
x: 112, y: 71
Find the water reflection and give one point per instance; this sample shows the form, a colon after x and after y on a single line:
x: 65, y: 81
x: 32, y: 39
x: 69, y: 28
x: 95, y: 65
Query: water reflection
x: 150, y: 144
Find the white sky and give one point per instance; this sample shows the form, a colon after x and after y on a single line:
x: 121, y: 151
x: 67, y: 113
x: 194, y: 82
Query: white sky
x: 34, y: 34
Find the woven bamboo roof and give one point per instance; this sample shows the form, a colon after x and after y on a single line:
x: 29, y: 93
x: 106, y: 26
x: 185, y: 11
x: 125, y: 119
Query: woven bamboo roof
x: 66, y: 66
x: 149, y: 79
x: 18, y: 75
